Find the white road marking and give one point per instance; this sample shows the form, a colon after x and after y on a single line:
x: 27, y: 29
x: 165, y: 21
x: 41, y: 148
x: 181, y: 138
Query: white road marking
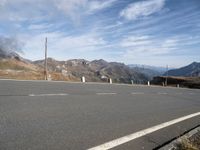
x: 191, y: 93
x: 59, y: 94
x: 128, y: 138
x: 162, y: 93
x: 137, y: 93
x: 178, y: 93
x: 106, y: 93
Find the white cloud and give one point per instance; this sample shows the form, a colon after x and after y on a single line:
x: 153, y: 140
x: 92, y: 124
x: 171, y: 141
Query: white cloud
x: 70, y: 5
x: 97, y: 5
x: 78, y: 8
x: 2, y: 2
x: 112, y: 26
x: 170, y: 43
x: 148, y: 46
x: 142, y: 9
x: 39, y: 26
x: 90, y: 6
x: 40, y: 10
x: 135, y: 41
x: 59, y: 44
x: 24, y: 10
x: 143, y: 49
x: 84, y: 43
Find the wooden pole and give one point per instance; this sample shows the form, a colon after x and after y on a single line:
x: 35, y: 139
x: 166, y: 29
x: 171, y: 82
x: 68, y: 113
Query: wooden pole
x: 45, y: 64
x: 167, y: 77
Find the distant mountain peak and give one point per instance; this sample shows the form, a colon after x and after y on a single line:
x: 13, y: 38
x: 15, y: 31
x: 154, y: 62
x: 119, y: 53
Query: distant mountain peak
x: 195, y: 62
x: 99, y: 61
x: 192, y: 69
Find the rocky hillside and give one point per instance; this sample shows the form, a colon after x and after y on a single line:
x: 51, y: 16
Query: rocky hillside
x: 97, y: 70
x: 192, y: 70
x: 14, y: 66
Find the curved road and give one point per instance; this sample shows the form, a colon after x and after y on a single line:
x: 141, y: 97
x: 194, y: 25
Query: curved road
x: 39, y: 115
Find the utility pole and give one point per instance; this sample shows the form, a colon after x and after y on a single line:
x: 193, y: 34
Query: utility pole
x: 45, y: 63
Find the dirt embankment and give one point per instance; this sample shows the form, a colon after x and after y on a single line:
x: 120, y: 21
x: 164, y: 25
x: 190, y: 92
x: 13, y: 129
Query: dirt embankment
x: 190, y: 82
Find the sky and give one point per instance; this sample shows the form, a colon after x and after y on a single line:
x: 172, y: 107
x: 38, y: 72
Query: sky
x: 150, y: 32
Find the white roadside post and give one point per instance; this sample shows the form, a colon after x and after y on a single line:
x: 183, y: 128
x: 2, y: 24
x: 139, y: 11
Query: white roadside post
x: 110, y: 81
x: 49, y: 77
x: 83, y: 79
x: 132, y: 82
x: 148, y: 83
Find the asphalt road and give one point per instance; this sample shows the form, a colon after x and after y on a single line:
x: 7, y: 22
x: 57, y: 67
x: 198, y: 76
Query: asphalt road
x: 76, y: 116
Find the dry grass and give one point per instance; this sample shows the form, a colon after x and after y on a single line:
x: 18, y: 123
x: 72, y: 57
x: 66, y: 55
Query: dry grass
x: 14, y: 69
x: 186, y: 144
x: 21, y: 75
x: 14, y: 64
x: 34, y: 75
x: 59, y: 77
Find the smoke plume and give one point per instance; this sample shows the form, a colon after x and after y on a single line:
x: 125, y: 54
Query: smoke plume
x: 10, y: 45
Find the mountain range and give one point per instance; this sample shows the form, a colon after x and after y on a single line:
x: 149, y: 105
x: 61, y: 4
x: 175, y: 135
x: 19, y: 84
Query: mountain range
x: 192, y: 70
x: 160, y: 70
x: 12, y: 65
x: 95, y: 71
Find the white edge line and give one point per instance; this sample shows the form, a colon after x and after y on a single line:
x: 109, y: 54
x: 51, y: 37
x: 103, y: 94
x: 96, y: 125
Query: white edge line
x: 46, y: 81
x: 106, y: 93
x: 59, y: 94
x: 125, y: 139
x: 78, y: 82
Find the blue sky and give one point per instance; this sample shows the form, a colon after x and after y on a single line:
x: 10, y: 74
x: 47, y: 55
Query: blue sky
x: 151, y: 32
